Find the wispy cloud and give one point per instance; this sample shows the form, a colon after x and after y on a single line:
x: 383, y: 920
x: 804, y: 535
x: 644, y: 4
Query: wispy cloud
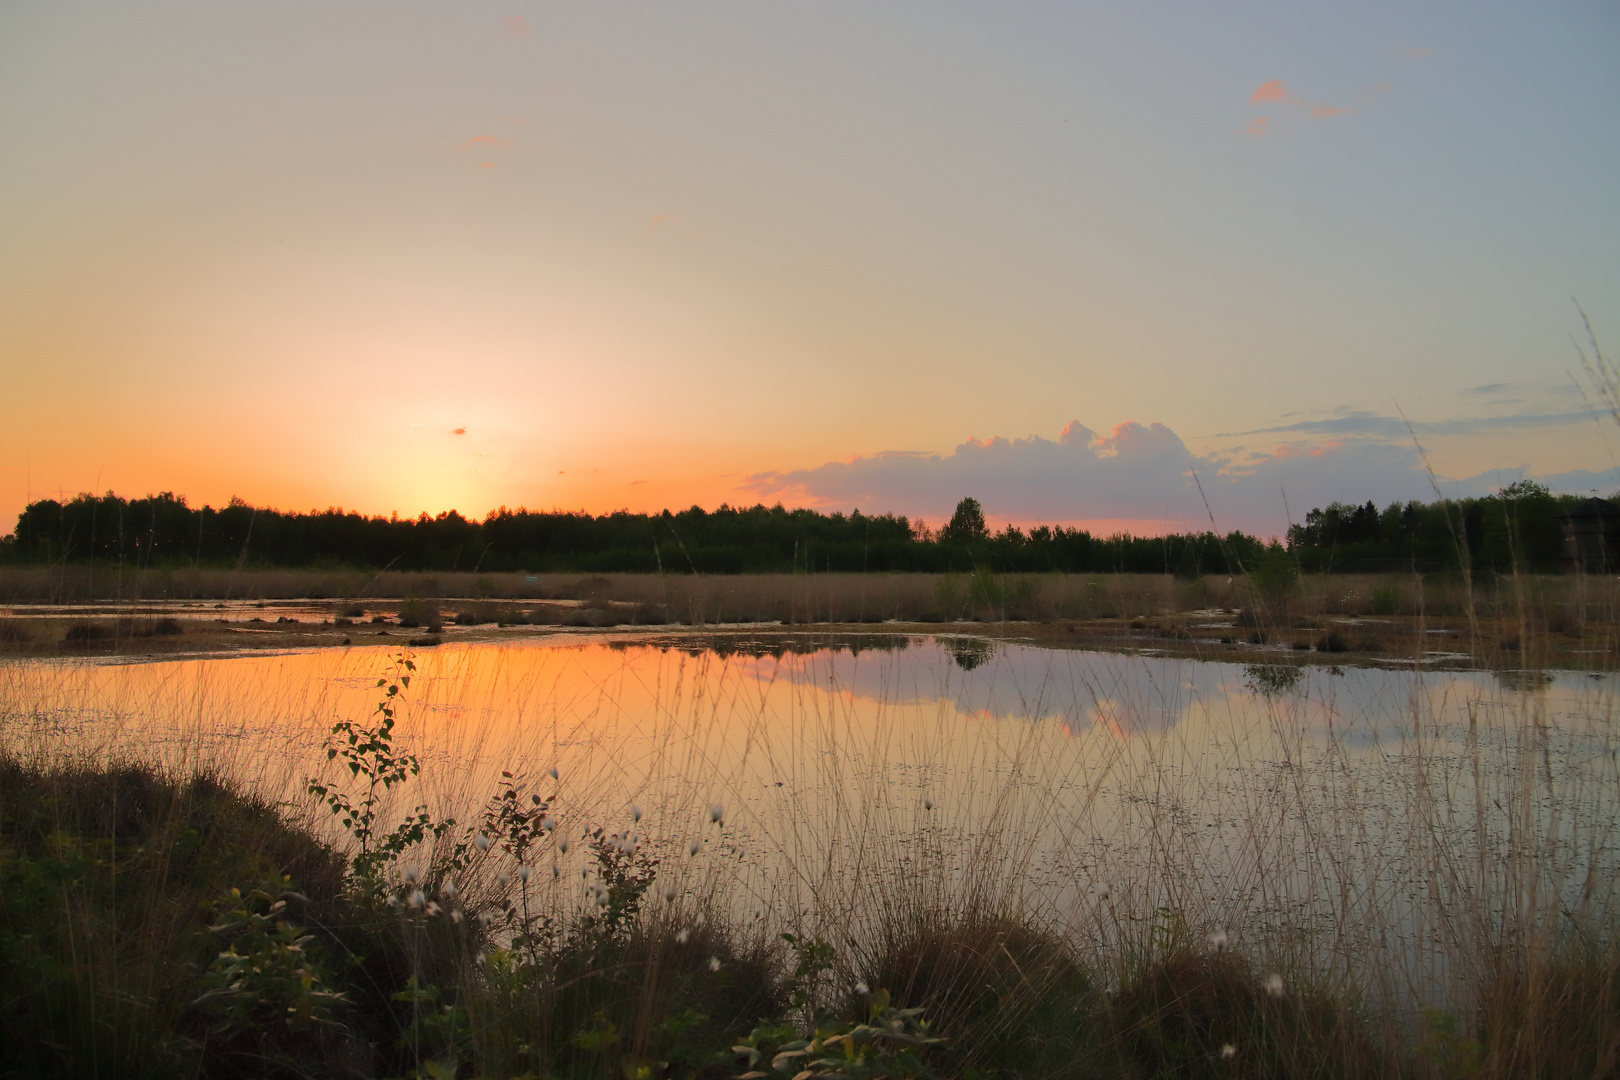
x: 1274, y: 90
x: 515, y: 26
x: 1321, y: 111
x: 1259, y: 127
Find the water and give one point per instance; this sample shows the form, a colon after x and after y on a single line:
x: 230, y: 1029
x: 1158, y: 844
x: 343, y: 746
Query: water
x: 1380, y: 824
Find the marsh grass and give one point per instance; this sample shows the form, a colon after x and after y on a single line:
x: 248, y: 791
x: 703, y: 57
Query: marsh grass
x: 1441, y: 904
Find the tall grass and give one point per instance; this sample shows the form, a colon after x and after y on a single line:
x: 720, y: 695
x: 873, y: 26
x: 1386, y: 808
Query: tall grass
x: 1107, y: 866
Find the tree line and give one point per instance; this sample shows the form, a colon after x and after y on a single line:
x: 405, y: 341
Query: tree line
x: 1523, y: 523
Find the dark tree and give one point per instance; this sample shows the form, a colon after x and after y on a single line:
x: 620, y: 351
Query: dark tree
x: 966, y: 524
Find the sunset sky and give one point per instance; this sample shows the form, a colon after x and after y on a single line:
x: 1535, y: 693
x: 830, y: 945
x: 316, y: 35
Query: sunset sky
x: 413, y: 256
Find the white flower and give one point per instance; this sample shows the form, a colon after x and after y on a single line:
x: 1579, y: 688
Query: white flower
x: 481, y: 842
x: 1274, y: 985
x: 562, y: 845
x: 552, y: 772
x: 502, y: 878
x: 701, y: 918
x: 418, y: 898
x: 1228, y: 1051
x: 1102, y: 890
x: 455, y: 916
x: 393, y: 901
x: 717, y: 814
x: 683, y: 936
x: 862, y: 988
x: 433, y: 908
x: 1217, y: 940
x: 448, y: 890
x: 696, y: 847
x: 410, y: 875
x: 523, y: 873
x: 635, y: 812
x: 714, y: 963
x: 548, y: 824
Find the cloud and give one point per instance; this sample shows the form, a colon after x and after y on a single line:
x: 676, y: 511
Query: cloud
x: 1271, y: 91
x: 1258, y: 127
x: 1360, y: 423
x: 515, y: 26
x: 1143, y: 477
x: 483, y: 140
x: 1328, y: 110
x: 459, y: 431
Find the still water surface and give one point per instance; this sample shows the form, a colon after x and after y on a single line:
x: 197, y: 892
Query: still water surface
x: 1381, y: 817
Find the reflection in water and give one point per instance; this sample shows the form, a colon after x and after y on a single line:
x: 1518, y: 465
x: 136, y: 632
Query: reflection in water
x: 1361, y: 816
x: 1272, y: 680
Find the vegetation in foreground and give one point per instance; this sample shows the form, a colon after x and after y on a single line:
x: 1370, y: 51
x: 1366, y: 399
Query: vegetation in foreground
x: 155, y: 925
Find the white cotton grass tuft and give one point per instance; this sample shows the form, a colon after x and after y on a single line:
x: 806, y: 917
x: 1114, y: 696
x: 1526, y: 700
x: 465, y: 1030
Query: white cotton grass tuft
x: 695, y: 847
x: 455, y: 916
x: 861, y: 987
x: 701, y: 918
x: 682, y: 936
x: 928, y: 804
x: 714, y: 963
x: 1274, y: 984
x: 669, y: 894
x: 411, y: 874
x: 635, y: 812
x: 552, y: 772
x: 433, y: 908
x: 562, y: 845
x: 481, y: 842
x: 418, y: 899
x: 547, y: 824
x: 393, y: 901
x: 1217, y: 940
x: 1102, y: 890
x: 448, y: 890
x: 1228, y: 1051
x: 523, y: 873
x: 502, y: 878
x: 717, y: 814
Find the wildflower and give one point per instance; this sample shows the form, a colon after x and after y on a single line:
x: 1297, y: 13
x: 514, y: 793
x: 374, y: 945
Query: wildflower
x: 481, y: 842
x: 1228, y: 1051
x: 433, y: 908
x: 682, y: 936
x: 1217, y: 940
x: 696, y: 847
x: 552, y: 772
x: 1274, y: 985
x: 861, y: 988
x: 717, y: 814
x: 523, y: 873
x: 418, y: 898
x: 714, y: 963
x: 635, y: 812
x: 410, y: 875
x: 562, y: 845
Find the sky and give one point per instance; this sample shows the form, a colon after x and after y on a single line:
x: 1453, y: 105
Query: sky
x: 1132, y: 266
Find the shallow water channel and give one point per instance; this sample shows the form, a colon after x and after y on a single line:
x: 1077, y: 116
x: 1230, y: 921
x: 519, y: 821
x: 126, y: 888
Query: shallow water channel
x: 1385, y: 824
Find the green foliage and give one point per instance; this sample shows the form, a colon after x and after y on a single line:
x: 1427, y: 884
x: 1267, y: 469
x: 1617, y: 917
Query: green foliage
x: 373, y: 761
x: 891, y: 1044
x: 967, y: 524
x: 1275, y: 579
x: 270, y: 972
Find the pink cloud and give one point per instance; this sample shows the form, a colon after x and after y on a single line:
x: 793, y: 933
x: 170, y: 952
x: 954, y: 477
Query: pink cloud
x: 482, y: 140
x: 516, y: 26
x: 1257, y: 127
x: 1271, y: 91
x: 1328, y: 110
